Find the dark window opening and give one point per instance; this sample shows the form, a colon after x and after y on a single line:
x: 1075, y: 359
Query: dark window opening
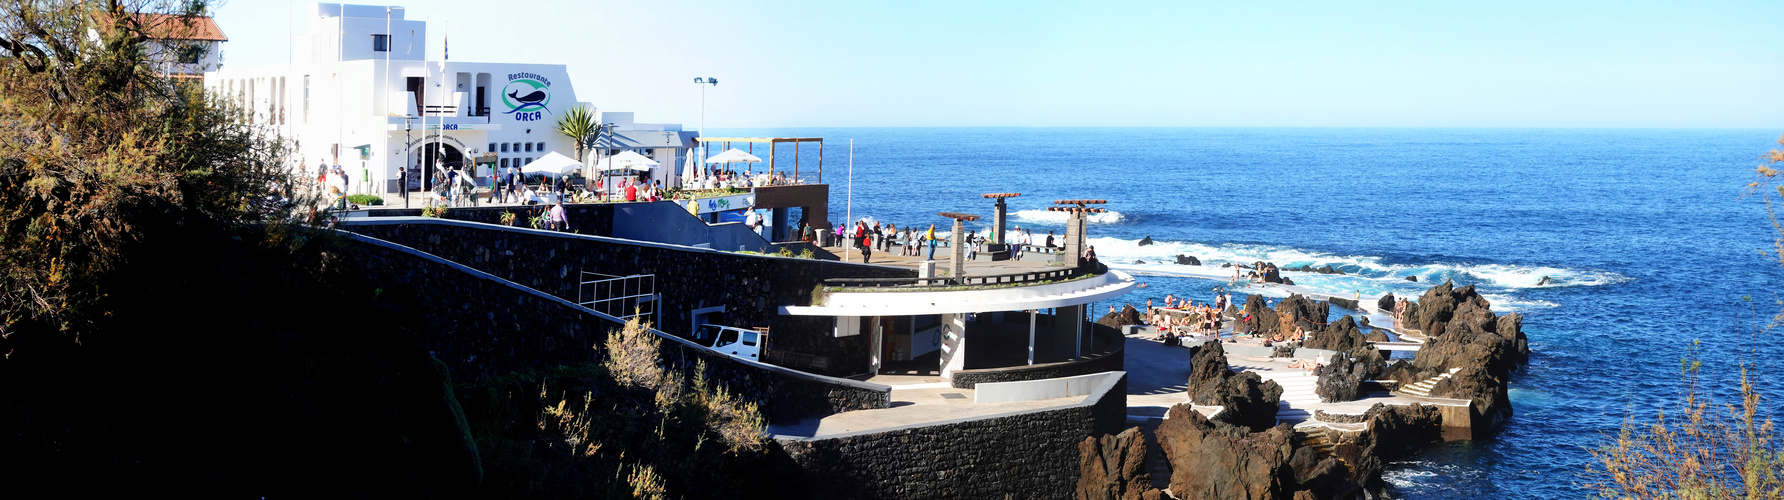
x: 380, y: 43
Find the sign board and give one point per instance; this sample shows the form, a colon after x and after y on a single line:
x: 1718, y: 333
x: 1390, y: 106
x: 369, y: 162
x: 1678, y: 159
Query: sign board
x: 727, y: 203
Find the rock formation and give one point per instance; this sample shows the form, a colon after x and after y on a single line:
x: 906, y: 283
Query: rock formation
x: 1250, y: 401
x: 1145, y: 241
x: 1327, y: 269
x: 1341, y: 378
x: 1308, y: 313
x: 1127, y: 316
x: 1215, y: 460
x: 1385, y: 303
x: 1114, y: 468
x: 1188, y: 260
x: 1344, y: 303
x: 1412, y: 278
x: 1342, y: 335
x: 1465, y: 334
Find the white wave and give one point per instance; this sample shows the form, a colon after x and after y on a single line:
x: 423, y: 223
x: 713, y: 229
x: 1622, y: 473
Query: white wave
x: 1049, y: 217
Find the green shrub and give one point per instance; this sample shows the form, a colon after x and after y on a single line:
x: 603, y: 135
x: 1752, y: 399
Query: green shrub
x: 366, y: 199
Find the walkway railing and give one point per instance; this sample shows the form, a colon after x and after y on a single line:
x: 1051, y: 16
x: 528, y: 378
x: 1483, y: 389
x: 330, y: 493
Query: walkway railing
x: 969, y: 280
x: 623, y: 297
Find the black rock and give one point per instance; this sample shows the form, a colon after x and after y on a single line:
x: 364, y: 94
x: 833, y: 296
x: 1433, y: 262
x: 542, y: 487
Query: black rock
x: 1188, y: 260
x: 1412, y: 278
x: 1139, y: 262
x: 1544, y: 281
x: 1287, y: 281
x: 1145, y: 241
x: 1340, y: 379
x: 1386, y: 303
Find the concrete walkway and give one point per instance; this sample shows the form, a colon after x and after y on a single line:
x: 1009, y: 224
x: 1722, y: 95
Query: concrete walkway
x: 916, y: 400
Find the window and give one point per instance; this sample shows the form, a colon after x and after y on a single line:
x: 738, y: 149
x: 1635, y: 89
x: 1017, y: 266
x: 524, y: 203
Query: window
x: 492, y: 147
x: 541, y: 146
x: 529, y: 147
x: 191, y: 53
x: 504, y: 163
x: 380, y: 43
x: 504, y: 147
x: 516, y: 147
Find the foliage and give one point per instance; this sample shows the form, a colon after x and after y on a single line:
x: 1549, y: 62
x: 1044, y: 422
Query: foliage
x: 1704, y: 449
x: 507, y: 218
x: 366, y: 199
x: 578, y: 124
x: 433, y: 211
x: 632, y: 426
x: 98, y: 152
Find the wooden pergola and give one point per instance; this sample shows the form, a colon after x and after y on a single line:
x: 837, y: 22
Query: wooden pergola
x: 772, y: 142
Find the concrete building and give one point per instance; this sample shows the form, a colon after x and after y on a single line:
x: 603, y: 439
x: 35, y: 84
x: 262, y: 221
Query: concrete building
x: 364, y: 91
x: 178, y: 46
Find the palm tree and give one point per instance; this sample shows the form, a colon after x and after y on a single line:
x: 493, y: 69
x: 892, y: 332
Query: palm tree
x: 578, y: 124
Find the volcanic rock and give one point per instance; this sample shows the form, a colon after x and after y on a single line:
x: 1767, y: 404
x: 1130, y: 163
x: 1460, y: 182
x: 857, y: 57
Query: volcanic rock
x: 1287, y: 281
x: 1250, y: 401
x: 1188, y: 260
x: 1412, y: 278
x: 1213, y: 459
x: 1385, y: 303
x: 1464, y: 334
x: 1344, y: 303
x: 1145, y: 241
x: 1308, y: 313
x: 1376, y: 336
x: 1114, y: 468
x: 1139, y: 262
x: 1126, y: 316
x: 1341, y: 379
x: 1341, y: 335
x: 1401, y: 430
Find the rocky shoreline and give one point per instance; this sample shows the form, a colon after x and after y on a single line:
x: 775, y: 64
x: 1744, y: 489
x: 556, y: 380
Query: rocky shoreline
x: 1241, y: 452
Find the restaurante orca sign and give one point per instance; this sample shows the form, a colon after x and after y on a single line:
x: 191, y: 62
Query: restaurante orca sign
x: 526, y: 96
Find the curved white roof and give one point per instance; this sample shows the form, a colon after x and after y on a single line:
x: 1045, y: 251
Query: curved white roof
x: 1107, y: 286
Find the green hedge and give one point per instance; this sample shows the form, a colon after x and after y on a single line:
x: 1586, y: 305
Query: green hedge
x: 365, y: 199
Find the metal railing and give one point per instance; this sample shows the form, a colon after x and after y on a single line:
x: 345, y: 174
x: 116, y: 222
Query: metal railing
x: 969, y: 280
x: 623, y: 297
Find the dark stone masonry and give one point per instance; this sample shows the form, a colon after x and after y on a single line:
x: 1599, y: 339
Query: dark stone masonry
x: 750, y: 287
x: 1020, y: 455
x: 483, y: 326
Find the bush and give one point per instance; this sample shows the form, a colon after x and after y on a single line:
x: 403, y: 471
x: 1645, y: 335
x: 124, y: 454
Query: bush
x: 366, y: 199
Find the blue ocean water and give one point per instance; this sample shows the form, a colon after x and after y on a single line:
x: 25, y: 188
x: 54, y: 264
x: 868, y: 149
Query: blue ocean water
x: 1643, y: 235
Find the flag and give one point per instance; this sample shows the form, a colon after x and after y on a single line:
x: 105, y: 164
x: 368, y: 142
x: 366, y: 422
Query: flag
x: 446, y: 43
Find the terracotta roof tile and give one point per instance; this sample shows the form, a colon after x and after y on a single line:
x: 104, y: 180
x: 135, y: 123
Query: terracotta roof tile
x: 172, y: 27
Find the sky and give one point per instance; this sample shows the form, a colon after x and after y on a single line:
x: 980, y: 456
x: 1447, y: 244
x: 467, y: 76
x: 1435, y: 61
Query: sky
x: 1186, y: 63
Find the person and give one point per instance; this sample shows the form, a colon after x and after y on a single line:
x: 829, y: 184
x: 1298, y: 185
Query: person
x: 631, y: 190
x: 1089, y: 255
x: 531, y: 197
x: 753, y: 221
x: 806, y: 233
x: 866, y: 246
x: 1049, y: 238
x: 1017, y: 243
x: 1235, y: 275
x: 972, y: 247
x: 558, y: 221
x: 930, y: 236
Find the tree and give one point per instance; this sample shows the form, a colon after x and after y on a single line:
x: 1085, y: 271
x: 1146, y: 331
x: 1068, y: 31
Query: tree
x: 1705, y: 449
x: 97, y: 151
x: 578, y: 124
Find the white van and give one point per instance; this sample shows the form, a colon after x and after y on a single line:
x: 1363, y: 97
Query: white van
x: 730, y: 341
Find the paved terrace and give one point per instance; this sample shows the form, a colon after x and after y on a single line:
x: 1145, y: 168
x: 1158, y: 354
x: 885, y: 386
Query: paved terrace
x: 916, y: 400
x: 944, y: 260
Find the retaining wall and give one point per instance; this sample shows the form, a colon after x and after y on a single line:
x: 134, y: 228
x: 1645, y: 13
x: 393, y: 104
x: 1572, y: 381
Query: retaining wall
x: 1013, y: 455
x: 481, y: 325
x: 750, y: 287
x: 1109, y: 360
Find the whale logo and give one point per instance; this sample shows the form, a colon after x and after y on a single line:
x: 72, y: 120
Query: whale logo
x: 526, y: 94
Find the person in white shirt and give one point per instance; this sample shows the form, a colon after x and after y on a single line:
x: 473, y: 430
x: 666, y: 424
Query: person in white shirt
x: 531, y: 197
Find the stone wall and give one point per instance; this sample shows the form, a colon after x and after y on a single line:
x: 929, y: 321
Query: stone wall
x: 585, y: 218
x: 481, y: 326
x: 1015, y: 455
x: 750, y: 287
x: 1106, y: 361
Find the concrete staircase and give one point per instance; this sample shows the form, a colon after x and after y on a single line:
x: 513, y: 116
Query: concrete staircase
x: 1318, y: 438
x: 1423, y: 387
x: 1297, y: 394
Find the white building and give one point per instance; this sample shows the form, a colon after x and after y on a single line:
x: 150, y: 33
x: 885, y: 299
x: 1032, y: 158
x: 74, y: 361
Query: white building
x: 177, y: 47
x: 665, y: 143
x: 364, y: 90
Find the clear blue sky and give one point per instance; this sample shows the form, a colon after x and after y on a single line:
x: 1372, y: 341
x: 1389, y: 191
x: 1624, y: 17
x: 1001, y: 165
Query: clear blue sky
x: 1185, y: 63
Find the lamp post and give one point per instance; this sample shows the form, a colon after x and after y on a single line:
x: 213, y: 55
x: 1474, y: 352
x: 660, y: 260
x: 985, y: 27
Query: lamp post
x: 703, y: 83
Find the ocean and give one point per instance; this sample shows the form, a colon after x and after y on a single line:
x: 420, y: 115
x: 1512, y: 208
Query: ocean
x: 1643, y: 235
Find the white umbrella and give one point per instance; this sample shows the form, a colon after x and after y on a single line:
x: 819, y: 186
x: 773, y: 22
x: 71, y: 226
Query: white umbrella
x: 627, y: 160
x: 552, y: 164
x: 688, y: 171
x: 733, y: 155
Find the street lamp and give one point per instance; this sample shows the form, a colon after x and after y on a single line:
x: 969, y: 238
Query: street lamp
x: 703, y: 83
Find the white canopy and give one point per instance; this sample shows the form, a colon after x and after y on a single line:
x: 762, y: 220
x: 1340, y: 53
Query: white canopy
x: 552, y: 164
x: 733, y: 155
x: 626, y: 160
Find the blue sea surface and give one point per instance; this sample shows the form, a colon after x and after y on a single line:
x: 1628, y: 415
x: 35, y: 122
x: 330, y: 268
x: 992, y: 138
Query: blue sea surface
x: 1644, y: 235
